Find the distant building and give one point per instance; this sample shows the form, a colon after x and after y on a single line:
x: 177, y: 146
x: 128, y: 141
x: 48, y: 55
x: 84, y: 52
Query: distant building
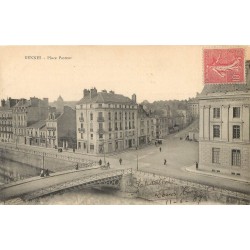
x: 25, y: 113
x: 146, y: 126
x: 61, y: 128
x: 60, y: 103
x: 33, y: 133
x: 6, y: 126
x: 224, y: 131
x: 193, y: 107
x: 106, y: 122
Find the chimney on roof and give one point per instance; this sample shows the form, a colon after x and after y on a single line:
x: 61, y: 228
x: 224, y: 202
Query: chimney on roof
x: 104, y: 91
x: 112, y: 92
x: 34, y: 101
x: 86, y: 92
x: 134, y: 98
x: 2, y: 102
x: 93, y: 92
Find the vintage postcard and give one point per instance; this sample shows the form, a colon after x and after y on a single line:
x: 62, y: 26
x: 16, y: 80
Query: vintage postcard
x: 152, y: 125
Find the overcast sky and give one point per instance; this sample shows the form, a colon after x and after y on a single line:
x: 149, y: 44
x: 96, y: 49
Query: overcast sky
x: 151, y: 72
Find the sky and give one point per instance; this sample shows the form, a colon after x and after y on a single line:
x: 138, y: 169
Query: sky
x: 151, y: 72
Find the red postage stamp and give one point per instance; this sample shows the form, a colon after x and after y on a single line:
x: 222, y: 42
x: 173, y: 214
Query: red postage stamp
x: 224, y: 65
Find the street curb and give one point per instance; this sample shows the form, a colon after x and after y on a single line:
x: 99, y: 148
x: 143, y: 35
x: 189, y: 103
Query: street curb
x: 215, y: 175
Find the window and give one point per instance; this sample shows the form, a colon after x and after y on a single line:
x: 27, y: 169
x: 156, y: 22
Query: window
x: 236, y: 112
x: 100, y: 136
x: 216, y: 112
x: 109, y: 136
x: 81, y: 135
x: 81, y: 125
x: 236, y: 132
x: 115, y: 115
x: 91, y: 136
x: 92, y: 146
x: 216, y: 131
x: 215, y: 155
x: 99, y: 105
x: 91, y: 117
x: 79, y: 145
x: 235, y: 157
x: 109, y: 116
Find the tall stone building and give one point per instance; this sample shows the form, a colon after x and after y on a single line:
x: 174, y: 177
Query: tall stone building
x: 224, y: 137
x: 61, y: 128
x: 25, y: 113
x: 6, y: 126
x: 146, y: 127
x: 106, y: 122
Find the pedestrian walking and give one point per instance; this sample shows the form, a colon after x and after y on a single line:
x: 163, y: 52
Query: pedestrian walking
x: 47, y: 172
x: 120, y: 160
x: 77, y: 166
x: 108, y: 165
x: 196, y: 165
x: 165, y: 162
x: 100, y: 162
x: 160, y: 149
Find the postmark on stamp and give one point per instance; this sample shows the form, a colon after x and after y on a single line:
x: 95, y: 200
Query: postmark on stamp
x: 224, y: 66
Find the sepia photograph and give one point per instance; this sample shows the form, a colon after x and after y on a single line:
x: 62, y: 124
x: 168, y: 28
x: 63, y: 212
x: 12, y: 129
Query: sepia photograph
x: 125, y: 125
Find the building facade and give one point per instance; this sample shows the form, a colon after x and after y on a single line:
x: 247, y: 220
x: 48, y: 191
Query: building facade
x: 106, y: 122
x: 193, y: 107
x: 25, y: 113
x: 61, y: 128
x: 6, y: 126
x: 146, y: 127
x: 224, y: 131
x: 33, y: 133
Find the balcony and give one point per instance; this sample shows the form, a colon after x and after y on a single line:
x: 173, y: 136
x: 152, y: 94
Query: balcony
x: 81, y: 119
x: 51, y: 128
x: 81, y: 130
x: 116, y: 129
x: 100, y: 119
x: 100, y: 131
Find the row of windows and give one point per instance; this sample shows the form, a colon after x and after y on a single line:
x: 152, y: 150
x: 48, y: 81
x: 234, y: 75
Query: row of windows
x: 236, y: 112
x: 110, y: 135
x: 100, y: 105
x: 235, y: 156
x: 128, y: 115
x: 217, y: 131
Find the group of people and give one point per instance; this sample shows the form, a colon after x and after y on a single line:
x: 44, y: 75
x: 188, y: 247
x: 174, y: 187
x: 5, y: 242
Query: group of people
x: 100, y: 163
x: 44, y: 173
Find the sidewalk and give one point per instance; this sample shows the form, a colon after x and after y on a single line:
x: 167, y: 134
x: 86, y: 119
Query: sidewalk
x: 35, y: 178
x: 193, y: 169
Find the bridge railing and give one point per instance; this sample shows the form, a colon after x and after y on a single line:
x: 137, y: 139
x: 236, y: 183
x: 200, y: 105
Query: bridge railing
x: 47, y: 154
x: 81, y: 181
x: 211, y: 189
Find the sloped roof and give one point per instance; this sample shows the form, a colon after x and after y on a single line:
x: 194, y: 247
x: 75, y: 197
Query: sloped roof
x: 23, y: 103
x: 39, y: 124
x: 223, y: 88
x: 103, y: 97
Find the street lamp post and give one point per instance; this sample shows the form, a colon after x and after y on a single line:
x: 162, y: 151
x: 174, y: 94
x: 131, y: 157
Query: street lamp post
x: 104, y: 156
x: 137, y: 165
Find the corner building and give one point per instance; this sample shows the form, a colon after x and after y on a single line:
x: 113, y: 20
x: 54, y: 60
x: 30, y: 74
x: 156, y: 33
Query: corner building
x: 106, y: 122
x: 224, y: 136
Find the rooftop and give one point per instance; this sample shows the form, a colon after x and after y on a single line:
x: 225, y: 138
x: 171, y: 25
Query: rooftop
x: 39, y: 124
x: 103, y: 97
x: 224, y: 88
